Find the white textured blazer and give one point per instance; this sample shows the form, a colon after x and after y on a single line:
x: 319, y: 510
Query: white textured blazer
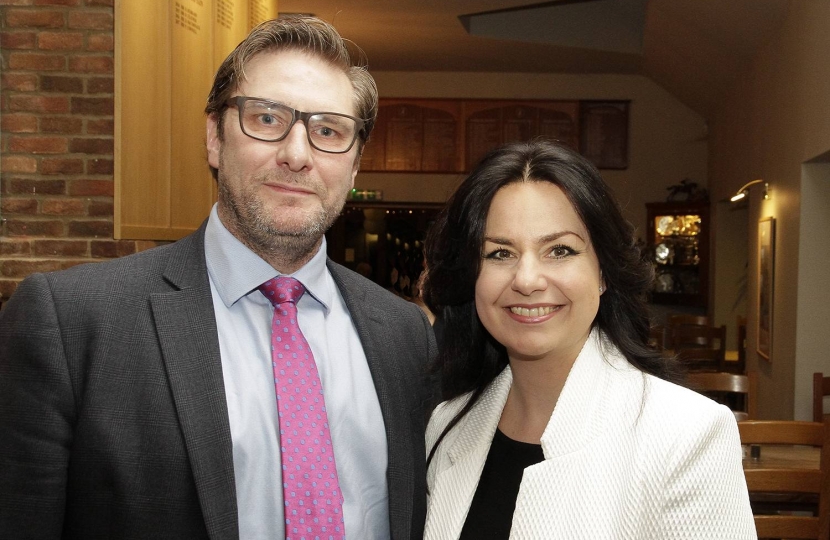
x: 627, y: 455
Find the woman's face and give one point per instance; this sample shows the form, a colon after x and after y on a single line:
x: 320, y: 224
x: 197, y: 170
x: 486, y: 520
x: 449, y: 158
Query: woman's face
x: 539, y: 286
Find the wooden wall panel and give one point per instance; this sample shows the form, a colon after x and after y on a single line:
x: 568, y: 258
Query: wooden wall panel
x: 167, y: 52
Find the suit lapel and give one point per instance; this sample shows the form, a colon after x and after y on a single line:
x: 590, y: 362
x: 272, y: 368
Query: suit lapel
x: 372, y: 329
x: 187, y: 333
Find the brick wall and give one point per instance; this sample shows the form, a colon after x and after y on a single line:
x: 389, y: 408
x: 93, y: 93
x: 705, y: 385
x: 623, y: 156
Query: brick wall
x: 56, y: 116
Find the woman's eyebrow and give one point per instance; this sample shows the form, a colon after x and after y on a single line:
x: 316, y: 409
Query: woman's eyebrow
x: 541, y: 240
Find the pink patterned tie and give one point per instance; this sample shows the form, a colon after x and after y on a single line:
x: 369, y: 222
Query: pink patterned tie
x: 313, y: 501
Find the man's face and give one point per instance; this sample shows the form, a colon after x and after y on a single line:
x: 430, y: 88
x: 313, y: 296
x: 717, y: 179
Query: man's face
x: 279, y: 198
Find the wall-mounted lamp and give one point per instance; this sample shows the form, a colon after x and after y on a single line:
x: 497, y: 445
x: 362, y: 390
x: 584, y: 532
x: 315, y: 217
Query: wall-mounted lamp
x: 741, y: 193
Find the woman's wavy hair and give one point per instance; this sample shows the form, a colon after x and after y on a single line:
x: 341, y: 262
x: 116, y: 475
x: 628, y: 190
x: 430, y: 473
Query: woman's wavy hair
x: 469, y: 357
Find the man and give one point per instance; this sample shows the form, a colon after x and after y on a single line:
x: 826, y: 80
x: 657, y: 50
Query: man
x: 137, y: 396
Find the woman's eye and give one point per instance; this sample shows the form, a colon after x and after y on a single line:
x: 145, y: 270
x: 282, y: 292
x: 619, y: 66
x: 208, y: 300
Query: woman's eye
x: 498, y: 254
x: 561, y: 251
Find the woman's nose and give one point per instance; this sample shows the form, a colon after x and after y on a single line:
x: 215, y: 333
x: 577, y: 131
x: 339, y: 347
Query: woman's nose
x: 529, y: 276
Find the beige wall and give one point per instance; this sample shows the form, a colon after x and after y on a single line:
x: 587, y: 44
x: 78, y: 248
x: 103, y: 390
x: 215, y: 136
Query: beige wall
x: 666, y: 139
x: 776, y: 118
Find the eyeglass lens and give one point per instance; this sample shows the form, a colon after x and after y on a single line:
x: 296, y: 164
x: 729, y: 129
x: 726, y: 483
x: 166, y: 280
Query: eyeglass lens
x: 270, y: 121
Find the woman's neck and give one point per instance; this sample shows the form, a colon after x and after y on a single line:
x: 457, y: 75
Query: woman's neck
x: 536, y: 387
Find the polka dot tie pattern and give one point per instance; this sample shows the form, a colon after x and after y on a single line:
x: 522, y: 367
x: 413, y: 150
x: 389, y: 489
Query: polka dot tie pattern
x: 313, y: 500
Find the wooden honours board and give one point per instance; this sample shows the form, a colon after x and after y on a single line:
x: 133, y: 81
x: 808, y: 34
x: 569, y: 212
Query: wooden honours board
x: 167, y: 52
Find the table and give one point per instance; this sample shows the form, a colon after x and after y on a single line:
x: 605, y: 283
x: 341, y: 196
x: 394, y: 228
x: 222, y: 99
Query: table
x: 782, y: 457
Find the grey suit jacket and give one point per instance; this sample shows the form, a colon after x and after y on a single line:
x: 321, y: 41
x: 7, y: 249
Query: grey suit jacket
x: 113, y: 419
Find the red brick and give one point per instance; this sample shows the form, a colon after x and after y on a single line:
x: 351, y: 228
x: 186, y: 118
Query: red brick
x: 14, y: 246
x: 100, y: 85
x: 26, y: 227
x: 18, y: 164
x: 100, y: 42
x: 18, y: 40
x: 57, y: 2
x: 100, y: 166
x: 36, y: 62
x: 91, y: 188
x: 69, y: 263
x: 23, y: 267
x: 100, y: 2
x: 34, y: 18
x: 87, y: 20
x: 93, y: 106
x: 59, y: 83
x: 18, y: 206
x: 90, y: 228
x: 19, y: 186
x: 39, y: 104
x: 60, y: 41
x: 61, y: 166
x: 15, y: 2
x: 101, y: 209
x: 20, y: 82
x: 38, y: 145
x: 61, y: 248
x: 61, y: 124
x: 100, y: 127
x: 63, y: 207
x: 7, y: 286
x: 91, y: 146
x: 111, y: 248
x: 18, y: 123
x: 91, y: 64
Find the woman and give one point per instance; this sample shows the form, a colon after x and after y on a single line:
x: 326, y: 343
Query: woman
x: 560, y: 421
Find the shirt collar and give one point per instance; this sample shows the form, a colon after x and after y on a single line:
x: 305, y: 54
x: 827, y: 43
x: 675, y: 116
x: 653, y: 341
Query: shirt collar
x: 236, y: 271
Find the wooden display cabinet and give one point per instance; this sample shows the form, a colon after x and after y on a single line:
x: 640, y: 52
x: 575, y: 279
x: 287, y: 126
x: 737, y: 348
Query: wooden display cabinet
x: 678, y: 248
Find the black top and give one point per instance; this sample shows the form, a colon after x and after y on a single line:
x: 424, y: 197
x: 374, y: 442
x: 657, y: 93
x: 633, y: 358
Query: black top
x: 491, y: 512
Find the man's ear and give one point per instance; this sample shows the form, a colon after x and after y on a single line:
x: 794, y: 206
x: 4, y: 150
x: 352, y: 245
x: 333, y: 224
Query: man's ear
x: 212, y: 141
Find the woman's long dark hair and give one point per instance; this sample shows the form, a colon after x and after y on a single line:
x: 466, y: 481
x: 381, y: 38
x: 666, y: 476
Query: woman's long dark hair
x: 469, y: 358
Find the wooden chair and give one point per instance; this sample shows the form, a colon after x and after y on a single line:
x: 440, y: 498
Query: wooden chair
x: 688, y: 336
x: 698, y: 359
x: 740, y: 366
x: 733, y: 390
x: 679, y: 321
x: 821, y: 388
x: 789, y: 480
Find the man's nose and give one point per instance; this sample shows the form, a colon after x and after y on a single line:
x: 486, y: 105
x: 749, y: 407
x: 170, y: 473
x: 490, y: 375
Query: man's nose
x: 294, y: 151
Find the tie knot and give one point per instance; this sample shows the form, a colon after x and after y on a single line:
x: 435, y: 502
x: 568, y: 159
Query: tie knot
x: 282, y: 289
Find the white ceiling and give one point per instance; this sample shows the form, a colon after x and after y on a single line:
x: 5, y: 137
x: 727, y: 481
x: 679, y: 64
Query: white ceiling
x: 696, y: 49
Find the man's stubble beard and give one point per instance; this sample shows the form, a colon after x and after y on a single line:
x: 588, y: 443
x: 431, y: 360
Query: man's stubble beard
x: 250, y: 222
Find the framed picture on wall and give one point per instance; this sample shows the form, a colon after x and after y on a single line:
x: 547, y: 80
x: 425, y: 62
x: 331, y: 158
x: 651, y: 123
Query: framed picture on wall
x: 766, y: 279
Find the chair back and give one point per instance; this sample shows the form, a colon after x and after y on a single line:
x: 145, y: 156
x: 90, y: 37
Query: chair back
x: 821, y: 388
x: 733, y: 390
x: 699, y: 359
x: 677, y: 326
x: 787, y: 480
x: 686, y: 335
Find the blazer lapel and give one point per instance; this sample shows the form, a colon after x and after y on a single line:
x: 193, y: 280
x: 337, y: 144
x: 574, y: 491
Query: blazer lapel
x: 187, y: 333
x: 455, y: 486
x: 372, y: 328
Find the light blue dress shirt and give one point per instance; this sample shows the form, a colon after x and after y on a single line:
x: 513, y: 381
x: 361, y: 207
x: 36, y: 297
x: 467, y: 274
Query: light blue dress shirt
x: 243, y: 318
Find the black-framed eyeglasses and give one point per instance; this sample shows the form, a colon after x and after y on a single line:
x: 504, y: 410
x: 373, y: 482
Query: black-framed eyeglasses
x: 269, y: 121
